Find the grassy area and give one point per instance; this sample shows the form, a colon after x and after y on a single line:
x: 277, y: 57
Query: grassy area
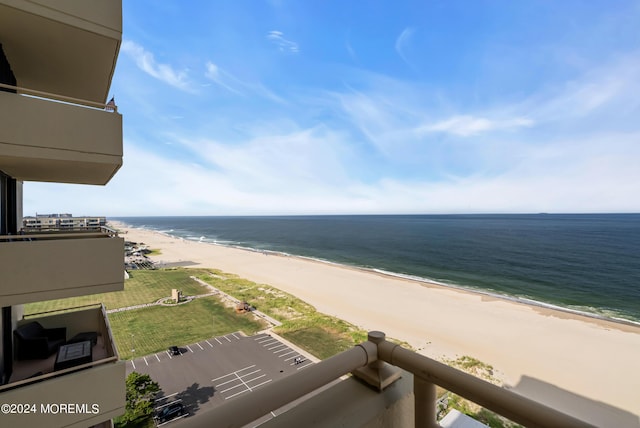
x: 144, y: 331
x: 484, y: 371
x: 152, y: 329
x: 144, y: 286
x: 317, y: 333
x: 154, y: 252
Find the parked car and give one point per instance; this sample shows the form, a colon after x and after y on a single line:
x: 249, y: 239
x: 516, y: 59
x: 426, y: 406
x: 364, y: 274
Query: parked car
x: 170, y: 411
x: 174, y: 350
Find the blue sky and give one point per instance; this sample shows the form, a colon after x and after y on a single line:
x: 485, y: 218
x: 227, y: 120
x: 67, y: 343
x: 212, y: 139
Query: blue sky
x: 297, y: 107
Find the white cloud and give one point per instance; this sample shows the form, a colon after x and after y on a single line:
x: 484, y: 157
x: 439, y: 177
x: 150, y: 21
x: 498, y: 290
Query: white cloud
x: 284, y: 45
x: 402, y: 41
x: 214, y: 73
x: 466, y: 126
x: 147, y: 63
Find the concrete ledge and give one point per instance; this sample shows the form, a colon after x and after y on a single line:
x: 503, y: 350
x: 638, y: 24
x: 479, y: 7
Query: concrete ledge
x: 351, y: 403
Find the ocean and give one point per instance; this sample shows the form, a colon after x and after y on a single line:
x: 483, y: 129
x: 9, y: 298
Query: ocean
x: 589, y: 263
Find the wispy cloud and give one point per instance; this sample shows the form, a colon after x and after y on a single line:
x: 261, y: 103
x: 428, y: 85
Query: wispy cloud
x: 284, y: 45
x: 401, y: 43
x: 147, y: 63
x: 231, y: 83
x: 466, y: 126
x: 214, y: 73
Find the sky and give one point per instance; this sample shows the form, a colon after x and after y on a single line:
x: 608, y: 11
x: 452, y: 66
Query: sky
x: 280, y: 107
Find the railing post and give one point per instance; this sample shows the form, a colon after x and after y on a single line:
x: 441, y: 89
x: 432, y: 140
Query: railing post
x: 425, y: 403
x: 378, y: 373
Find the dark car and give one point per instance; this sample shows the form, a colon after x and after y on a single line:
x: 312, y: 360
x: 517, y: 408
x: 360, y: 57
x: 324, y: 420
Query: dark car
x: 174, y: 350
x: 170, y: 411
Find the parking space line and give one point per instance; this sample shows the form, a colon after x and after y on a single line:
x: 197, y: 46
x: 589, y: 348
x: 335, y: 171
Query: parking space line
x: 288, y: 353
x: 293, y: 357
x: 209, y: 343
x: 268, y: 343
x: 256, y: 378
x: 260, y: 384
x: 234, y: 335
x: 165, y: 396
x: 227, y: 338
x: 233, y: 387
x: 168, y: 353
x: 145, y: 360
x: 240, y: 379
x: 224, y: 383
x: 266, y: 339
x: 133, y: 364
x: 200, y: 346
x: 250, y: 373
x: 157, y: 357
x: 261, y: 336
x: 166, y: 404
x: 305, y: 366
x: 277, y: 346
x: 237, y: 393
x: 220, y: 343
x: 190, y: 350
x: 237, y: 371
x: 281, y: 350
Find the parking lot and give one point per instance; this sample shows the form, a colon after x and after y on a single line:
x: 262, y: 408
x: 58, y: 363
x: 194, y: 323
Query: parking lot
x: 207, y: 373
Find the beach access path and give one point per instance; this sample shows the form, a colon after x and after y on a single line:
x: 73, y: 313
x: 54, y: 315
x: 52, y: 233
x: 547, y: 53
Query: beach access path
x: 586, y: 367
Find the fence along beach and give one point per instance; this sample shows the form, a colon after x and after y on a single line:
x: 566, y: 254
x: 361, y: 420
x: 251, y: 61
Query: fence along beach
x: 585, y: 366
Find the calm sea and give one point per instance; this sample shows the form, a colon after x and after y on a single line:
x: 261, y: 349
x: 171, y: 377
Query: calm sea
x: 584, y: 262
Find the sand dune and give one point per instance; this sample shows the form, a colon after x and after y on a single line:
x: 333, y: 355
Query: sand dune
x: 587, y: 367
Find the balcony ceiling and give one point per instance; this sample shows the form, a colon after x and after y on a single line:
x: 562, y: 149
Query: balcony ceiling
x: 68, y: 49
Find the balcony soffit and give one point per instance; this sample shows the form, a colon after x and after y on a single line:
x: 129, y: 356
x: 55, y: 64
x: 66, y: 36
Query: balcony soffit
x: 69, y: 57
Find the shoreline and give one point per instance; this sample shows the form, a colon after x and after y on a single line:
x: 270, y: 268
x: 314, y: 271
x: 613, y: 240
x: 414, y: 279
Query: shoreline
x: 584, y: 366
x: 426, y: 282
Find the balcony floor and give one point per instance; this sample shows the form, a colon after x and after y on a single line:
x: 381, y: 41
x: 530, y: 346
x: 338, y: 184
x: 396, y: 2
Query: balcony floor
x: 28, y: 368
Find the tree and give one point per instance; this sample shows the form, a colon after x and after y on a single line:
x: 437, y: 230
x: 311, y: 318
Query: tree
x: 140, y: 392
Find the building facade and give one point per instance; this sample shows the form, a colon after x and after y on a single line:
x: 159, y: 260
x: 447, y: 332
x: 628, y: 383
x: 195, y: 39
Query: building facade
x: 52, y: 222
x: 57, y: 60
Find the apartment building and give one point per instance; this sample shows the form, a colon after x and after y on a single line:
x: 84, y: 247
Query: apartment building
x: 57, y: 60
x: 45, y: 222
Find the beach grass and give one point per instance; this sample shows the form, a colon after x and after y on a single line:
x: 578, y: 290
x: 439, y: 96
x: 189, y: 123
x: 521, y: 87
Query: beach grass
x: 145, y: 331
x: 143, y: 286
x: 317, y: 333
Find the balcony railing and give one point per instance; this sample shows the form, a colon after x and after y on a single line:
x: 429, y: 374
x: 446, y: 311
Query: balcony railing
x: 100, y: 382
x: 55, y: 138
x: 55, y: 265
x: 368, y: 361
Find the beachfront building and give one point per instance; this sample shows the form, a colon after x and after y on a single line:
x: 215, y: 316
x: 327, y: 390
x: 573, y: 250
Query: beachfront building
x: 57, y: 59
x: 53, y: 222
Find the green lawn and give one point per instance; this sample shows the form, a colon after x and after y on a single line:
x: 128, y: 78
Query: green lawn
x: 144, y: 286
x: 153, y: 329
x: 317, y: 333
x: 144, y: 331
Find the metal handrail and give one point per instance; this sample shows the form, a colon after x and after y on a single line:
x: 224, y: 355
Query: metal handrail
x: 58, y: 97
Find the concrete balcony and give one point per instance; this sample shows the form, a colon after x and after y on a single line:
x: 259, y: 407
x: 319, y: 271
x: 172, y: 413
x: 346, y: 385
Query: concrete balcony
x: 390, y: 386
x: 37, y: 267
x: 66, y: 47
x: 58, y: 142
x: 95, y: 389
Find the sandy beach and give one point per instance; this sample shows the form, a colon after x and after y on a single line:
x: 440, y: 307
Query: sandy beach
x: 587, y: 367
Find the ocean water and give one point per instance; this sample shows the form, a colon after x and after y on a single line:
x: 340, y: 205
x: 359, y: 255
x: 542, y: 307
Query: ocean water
x: 584, y: 262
